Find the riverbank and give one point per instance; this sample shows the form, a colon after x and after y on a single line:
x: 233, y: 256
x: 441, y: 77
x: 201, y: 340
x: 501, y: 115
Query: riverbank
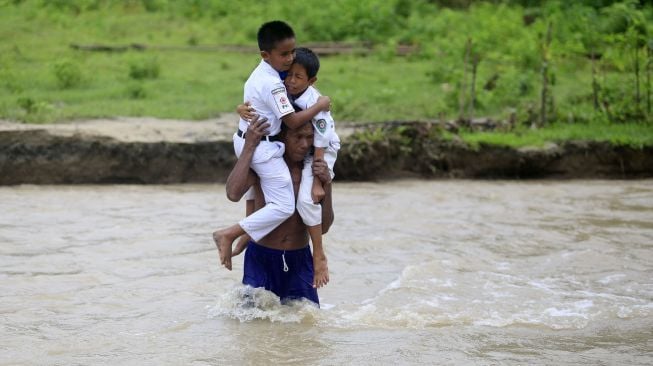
x: 150, y: 151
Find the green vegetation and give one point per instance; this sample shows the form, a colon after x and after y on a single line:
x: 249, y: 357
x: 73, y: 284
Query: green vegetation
x: 636, y: 135
x: 598, y: 61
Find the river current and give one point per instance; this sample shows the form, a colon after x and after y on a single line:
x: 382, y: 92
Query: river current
x: 422, y: 272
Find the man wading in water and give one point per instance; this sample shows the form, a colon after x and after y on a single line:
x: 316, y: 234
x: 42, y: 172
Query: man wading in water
x: 281, y: 262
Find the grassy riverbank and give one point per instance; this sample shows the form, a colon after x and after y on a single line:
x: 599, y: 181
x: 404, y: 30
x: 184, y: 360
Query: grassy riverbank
x: 636, y: 135
x: 185, y: 74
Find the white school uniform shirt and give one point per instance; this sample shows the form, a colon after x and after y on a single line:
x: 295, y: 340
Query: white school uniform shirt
x: 323, y: 124
x: 268, y: 96
x: 265, y: 90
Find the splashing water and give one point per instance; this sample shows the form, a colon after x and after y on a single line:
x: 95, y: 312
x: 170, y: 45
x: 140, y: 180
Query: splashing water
x: 245, y: 304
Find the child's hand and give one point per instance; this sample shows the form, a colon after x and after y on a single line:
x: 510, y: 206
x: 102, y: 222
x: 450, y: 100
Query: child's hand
x: 246, y: 111
x: 324, y: 102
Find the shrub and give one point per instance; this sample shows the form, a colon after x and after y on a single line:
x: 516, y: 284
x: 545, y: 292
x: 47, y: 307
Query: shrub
x: 32, y: 110
x: 144, y: 69
x: 68, y: 74
x: 136, y: 91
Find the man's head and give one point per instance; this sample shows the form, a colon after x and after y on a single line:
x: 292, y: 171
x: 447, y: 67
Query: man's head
x: 303, y: 72
x: 276, y: 40
x: 298, y: 142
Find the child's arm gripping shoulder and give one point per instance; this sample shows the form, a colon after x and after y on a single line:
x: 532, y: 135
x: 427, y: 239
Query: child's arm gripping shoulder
x: 297, y: 119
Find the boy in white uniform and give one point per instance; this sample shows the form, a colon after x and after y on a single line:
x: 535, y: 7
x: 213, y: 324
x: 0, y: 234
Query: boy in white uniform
x: 299, y: 83
x: 267, y: 93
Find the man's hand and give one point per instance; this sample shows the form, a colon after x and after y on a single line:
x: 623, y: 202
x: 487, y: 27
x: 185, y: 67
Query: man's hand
x: 321, y: 171
x: 257, y: 128
x: 246, y: 111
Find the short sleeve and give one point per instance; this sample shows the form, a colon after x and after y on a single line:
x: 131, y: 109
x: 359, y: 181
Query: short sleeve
x: 278, y: 101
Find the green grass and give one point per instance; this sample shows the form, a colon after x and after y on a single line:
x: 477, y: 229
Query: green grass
x: 194, y: 84
x: 636, y: 135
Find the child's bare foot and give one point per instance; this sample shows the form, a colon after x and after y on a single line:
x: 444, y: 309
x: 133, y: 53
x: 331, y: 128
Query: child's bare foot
x: 321, y: 271
x: 317, y: 193
x: 224, y: 247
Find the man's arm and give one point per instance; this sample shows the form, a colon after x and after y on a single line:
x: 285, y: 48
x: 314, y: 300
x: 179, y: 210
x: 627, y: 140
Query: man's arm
x: 244, y: 239
x: 321, y: 172
x: 297, y: 119
x: 241, y: 176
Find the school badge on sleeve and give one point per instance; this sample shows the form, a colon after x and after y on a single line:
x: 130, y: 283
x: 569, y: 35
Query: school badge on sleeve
x: 321, y: 125
x: 281, y: 100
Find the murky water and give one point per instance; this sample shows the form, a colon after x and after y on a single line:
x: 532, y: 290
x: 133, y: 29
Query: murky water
x: 422, y: 272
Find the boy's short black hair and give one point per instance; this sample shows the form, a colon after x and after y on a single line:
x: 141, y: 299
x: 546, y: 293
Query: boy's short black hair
x: 272, y: 33
x: 308, y: 59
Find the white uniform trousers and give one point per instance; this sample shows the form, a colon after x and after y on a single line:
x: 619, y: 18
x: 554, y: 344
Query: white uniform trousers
x: 276, y: 184
x: 310, y: 212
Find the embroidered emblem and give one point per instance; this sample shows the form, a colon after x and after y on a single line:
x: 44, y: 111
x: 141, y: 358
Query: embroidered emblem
x: 321, y: 125
x: 281, y: 100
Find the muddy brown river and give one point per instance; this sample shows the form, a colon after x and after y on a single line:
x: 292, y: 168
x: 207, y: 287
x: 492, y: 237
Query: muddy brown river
x: 422, y: 272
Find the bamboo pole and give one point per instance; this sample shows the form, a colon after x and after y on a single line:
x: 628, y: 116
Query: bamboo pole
x: 475, y: 61
x: 463, y: 83
x: 637, y: 91
x: 545, y: 76
x: 595, y: 83
x: 648, y: 78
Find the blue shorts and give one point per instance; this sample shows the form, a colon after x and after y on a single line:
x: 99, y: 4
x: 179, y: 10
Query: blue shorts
x: 287, y: 273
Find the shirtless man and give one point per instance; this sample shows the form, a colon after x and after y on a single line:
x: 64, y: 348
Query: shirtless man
x: 281, y: 262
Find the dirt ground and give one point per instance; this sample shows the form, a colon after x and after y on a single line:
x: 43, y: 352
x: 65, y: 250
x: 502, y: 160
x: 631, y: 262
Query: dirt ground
x: 154, y: 151
x: 148, y: 129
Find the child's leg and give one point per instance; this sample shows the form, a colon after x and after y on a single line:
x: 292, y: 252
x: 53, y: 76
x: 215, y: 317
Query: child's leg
x: 277, y: 188
x: 317, y: 191
x: 223, y: 240
x: 249, y: 209
x: 320, y: 268
x: 279, y: 196
x: 319, y: 255
x: 312, y: 216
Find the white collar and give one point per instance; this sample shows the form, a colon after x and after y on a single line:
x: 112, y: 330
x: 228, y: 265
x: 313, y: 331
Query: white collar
x: 266, y: 67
